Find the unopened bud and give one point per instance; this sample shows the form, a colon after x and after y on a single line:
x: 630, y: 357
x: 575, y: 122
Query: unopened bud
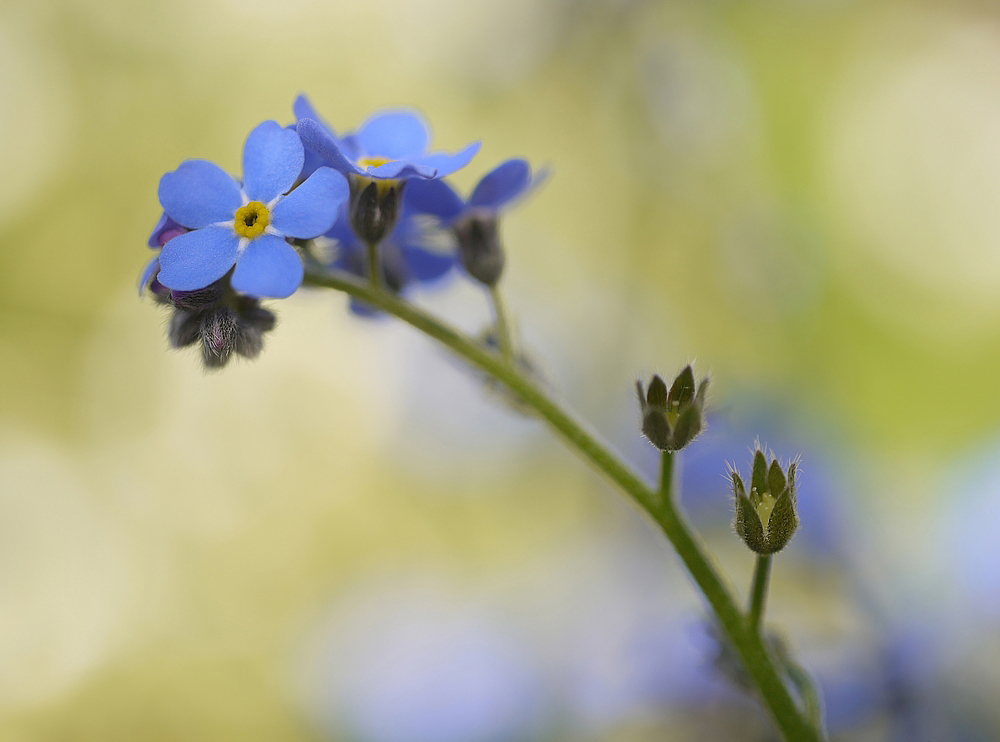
x: 766, y: 517
x: 222, y: 320
x: 374, y: 206
x: 479, y: 246
x: 219, y: 332
x: 671, y: 420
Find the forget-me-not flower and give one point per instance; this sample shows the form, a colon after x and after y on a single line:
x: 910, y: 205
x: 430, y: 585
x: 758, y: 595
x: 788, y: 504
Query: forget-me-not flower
x: 389, y: 145
x: 389, y: 149
x: 474, y: 222
x: 247, y: 226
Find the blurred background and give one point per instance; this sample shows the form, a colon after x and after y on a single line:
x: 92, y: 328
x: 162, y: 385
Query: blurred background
x: 349, y: 539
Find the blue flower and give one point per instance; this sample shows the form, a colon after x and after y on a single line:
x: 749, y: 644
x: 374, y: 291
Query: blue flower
x: 164, y: 231
x: 498, y: 189
x: 406, y: 255
x: 389, y: 145
x: 247, y: 226
x: 474, y: 222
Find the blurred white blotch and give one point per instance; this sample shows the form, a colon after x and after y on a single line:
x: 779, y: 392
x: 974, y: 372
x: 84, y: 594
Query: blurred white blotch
x: 483, y: 40
x: 699, y: 98
x: 413, y: 661
x: 65, y: 582
x: 913, y: 161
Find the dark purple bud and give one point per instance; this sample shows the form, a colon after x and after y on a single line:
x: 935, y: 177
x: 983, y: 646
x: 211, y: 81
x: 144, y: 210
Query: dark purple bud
x: 479, y: 246
x: 374, y: 207
x: 219, y: 331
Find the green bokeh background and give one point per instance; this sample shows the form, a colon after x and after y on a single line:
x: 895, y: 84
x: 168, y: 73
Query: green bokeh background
x: 799, y: 194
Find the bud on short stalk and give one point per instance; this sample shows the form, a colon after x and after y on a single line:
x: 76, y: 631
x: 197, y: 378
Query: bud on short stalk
x: 222, y: 320
x: 479, y: 246
x: 374, y: 206
x: 766, y: 515
x: 672, y: 419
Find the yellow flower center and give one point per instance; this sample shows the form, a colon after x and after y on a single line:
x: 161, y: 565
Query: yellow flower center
x: 251, y: 220
x: 364, y: 162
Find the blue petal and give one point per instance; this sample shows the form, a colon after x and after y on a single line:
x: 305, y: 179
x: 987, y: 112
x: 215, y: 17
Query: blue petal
x: 312, y: 208
x: 303, y: 109
x: 433, y: 197
x: 199, y: 193
x: 425, y: 265
x: 342, y: 231
x: 196, y: 259
x: 272, y: 160
x: 446, y: 164
x: 361, y: 309
x: 269, y: 267
x: 147, y: 274
x: 350, y: 147
x: 401, y: 169
x: 395, y: 134
x: 315, y: 137
x: 161, y: 226
x: 502, y: 185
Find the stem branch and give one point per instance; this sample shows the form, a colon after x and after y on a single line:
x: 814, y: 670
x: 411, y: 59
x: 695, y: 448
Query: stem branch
x: 579, y: 435
x: 501, y: 326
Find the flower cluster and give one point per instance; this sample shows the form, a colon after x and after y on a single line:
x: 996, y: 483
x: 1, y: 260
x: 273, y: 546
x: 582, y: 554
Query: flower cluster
x: 376, y: 196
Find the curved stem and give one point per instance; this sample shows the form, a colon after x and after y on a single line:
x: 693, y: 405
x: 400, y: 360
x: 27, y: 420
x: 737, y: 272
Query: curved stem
x: 761, y: 578
x: 579, y: 435
x: 807, y: 689
x: 504, y: 341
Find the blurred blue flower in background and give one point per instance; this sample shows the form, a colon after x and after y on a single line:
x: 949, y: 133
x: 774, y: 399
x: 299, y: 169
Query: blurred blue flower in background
x: 392, y: 144
x: 971, y: 516
x: 406, y: 661
x: 246, y: 225
x: 496, y: 190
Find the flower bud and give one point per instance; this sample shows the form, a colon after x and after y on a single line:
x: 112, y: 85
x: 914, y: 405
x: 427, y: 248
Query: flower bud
x: 766, y: 517
x: 219, y: 331
x: 672, y: 419
x: 479, y: 246
x: 374, y: 206
x: 222, y: 320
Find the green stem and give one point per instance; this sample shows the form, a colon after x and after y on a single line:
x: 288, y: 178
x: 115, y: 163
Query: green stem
x: 578, y: 434
x: 807, y: 689
x: 502, y: 327
x: 374, y: 267
x: 761, y: 578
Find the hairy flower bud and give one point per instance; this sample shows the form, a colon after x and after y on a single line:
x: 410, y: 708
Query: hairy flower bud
x: 766, y: 516
x: 223, y: 321
x: 374, y: 206
x: 479, y: 246
x: 672, y: 419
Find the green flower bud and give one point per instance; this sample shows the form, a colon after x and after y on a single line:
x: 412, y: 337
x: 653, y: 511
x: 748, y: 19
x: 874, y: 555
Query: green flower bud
x: 766, y: 517
x: 672, y: 419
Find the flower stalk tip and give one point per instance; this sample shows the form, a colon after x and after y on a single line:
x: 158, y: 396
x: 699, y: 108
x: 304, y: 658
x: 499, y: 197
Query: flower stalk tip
x: 672, y: 419
x: 766, y: 515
